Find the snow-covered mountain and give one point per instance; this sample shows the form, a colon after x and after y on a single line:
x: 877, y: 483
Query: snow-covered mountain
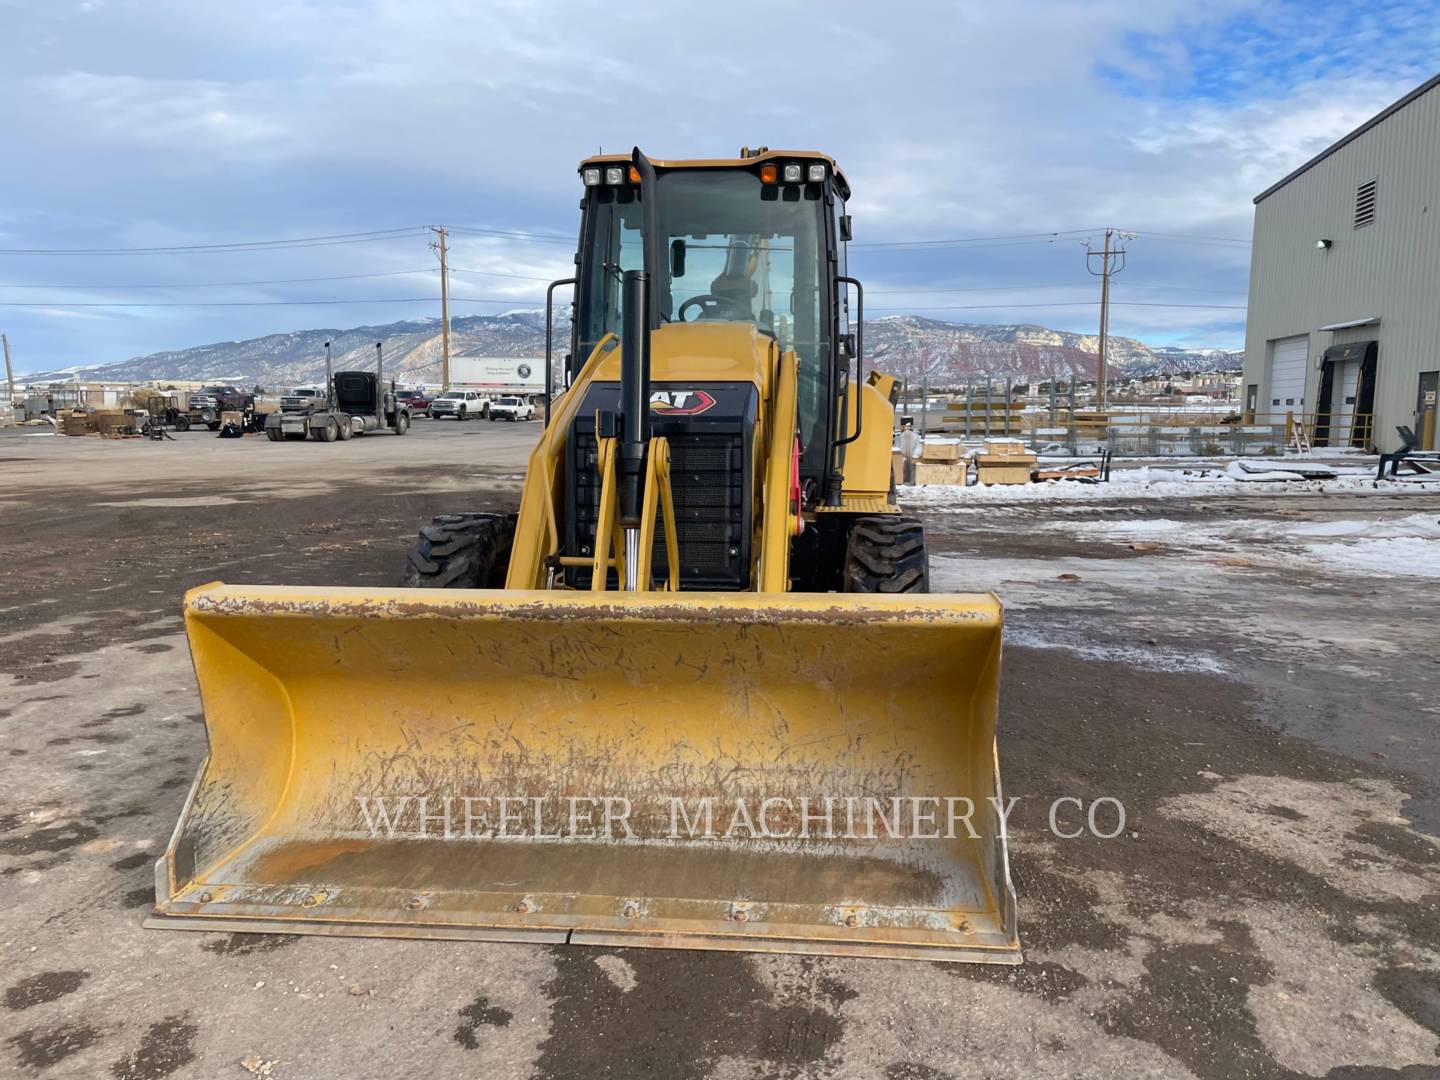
x: 907, y: 345
x: 954, y: 353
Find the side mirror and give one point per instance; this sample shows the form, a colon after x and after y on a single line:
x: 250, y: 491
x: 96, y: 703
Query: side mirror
x: 677, y: 257
x: 846, y: 233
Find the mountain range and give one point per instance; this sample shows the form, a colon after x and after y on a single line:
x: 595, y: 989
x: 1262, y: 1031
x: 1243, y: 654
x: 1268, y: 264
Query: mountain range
x: 951, y: 354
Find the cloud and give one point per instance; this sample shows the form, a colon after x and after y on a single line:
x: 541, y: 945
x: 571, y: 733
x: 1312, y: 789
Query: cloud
x: 137, y: 112
x: 205, y: 120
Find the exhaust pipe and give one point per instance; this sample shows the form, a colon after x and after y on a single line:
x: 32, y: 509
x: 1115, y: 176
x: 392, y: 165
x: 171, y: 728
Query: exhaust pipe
x: 640, y: 318
x: 634, y: 415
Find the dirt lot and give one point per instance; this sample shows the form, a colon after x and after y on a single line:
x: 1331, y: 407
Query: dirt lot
x: 1265, y: 713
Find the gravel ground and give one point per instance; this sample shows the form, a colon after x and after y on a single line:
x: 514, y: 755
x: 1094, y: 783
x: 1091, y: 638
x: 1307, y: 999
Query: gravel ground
x: 1264, y: 710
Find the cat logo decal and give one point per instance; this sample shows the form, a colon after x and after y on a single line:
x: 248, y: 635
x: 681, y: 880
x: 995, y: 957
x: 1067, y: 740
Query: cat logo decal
x: 681, y: 402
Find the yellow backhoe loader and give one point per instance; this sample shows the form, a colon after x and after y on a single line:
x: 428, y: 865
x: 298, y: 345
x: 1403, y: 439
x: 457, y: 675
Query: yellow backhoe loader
x: 695, y: 694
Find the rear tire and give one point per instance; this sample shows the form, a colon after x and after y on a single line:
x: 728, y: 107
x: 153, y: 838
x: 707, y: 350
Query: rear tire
x: 182, y: 423
x: 345, y: 431
x: 273, y: 434
x: 331, y: 431
x: 886, y: 555
x: 461, y: 551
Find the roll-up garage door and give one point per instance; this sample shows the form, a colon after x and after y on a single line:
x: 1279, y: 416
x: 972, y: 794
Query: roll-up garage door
x: 1287, y: 374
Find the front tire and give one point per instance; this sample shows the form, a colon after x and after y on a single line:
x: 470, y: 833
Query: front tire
x: 461, y: 414
x: 886, y: 554
x: 461, y: 551
x: 402, y: 423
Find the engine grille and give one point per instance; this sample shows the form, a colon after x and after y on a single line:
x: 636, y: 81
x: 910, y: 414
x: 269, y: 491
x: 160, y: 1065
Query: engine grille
x: 707, y: 481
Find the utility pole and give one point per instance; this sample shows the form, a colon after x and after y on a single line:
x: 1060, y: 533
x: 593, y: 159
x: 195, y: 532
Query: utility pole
x: 439, y: 246
x: 1112, y: 261
x: 9, y: 371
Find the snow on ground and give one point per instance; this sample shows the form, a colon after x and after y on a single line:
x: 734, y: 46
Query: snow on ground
x: 1149, y: 658
x: 1410, y: 556
x: 1148, y: 483
x: 1408, y: 545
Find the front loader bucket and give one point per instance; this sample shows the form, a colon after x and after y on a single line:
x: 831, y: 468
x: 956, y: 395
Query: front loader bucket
x: 785, y: 772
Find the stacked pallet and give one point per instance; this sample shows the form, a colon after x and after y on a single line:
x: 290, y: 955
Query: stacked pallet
x: 1003, y: 461
x: 113, y: 423
x: 942, y: 463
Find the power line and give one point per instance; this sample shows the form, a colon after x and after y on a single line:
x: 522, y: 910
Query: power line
x: 268, y: 303
x: 1189, y: 236
x: 1067, y: 303
x: 497, y: 273
x: 1054, y: 235
x: 224, y: 284
x: 979, y: 288
x: 239, y: 245
x: 1053, y: 285
x: 513, y: 234
x: 908, y: 249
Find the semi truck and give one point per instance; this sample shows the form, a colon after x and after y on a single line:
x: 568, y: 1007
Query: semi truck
x: 357, y: 402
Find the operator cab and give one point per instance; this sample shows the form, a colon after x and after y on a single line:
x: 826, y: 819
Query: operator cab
x: 754, y: 240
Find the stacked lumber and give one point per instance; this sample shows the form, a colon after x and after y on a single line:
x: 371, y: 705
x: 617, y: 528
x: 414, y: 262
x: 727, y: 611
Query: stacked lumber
x: 983, y: 416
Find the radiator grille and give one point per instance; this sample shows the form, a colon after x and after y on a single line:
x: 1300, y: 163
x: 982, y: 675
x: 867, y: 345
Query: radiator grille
x: 707, y: 480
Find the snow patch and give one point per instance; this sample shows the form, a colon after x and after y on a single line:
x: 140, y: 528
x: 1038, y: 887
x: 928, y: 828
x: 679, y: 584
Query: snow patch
x: 1409, y: 556
x: 1143, y: 658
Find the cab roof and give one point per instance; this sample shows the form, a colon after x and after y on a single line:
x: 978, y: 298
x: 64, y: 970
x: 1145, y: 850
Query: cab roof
x: 747, y: 162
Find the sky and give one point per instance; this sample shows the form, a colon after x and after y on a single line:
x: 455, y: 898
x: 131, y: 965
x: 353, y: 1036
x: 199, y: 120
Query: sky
x: 1012, y: 132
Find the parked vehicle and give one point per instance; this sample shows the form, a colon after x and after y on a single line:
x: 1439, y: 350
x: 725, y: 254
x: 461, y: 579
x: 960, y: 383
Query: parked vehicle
x: 417, y: 401
x: 162, y: 411
x: 461, y: 404
x: 206, y: 404
x: 303, y: 399
x: 511, y: 408
x: 358, y: 402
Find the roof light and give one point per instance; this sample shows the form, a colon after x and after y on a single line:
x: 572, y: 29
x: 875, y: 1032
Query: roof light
x: 591, y: 176
x: 769, y: 174
x: 793, y: 173
x: 817, y: 173
x: 614, y: 174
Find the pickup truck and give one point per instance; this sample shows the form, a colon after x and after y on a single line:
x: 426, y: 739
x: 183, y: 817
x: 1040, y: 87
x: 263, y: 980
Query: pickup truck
x: 303, y: 399
x: 206, y: 405
x: 461, y: 404
x: 511, y: 408
x: 417, y: 401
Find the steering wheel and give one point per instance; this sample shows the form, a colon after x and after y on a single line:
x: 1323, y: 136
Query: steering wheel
x: 714, y: 307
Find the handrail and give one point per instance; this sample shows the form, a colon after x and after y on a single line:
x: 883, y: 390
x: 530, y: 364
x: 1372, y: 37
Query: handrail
x: 549, y: 365
x: 859, y: 361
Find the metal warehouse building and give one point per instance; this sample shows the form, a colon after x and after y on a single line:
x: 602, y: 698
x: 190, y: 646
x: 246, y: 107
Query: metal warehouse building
x: 1344, y: 321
